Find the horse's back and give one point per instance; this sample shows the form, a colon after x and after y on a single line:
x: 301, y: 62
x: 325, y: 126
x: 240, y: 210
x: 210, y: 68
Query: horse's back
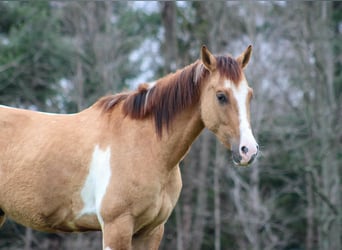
x: 11, y: 120
x: 23, y: 135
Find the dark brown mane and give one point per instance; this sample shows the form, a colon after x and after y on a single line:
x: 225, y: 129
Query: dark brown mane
x: 171, y: 94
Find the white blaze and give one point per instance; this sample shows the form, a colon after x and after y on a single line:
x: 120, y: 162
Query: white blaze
x: 240, y: 94
x: 246, y: 136
x: 96, y: 183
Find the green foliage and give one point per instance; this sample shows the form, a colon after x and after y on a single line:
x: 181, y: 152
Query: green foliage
x: 33, y: 57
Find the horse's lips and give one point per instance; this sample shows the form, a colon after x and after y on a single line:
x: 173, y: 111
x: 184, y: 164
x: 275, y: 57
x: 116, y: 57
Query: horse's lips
x: 244, y: 164
x: 241, y: 164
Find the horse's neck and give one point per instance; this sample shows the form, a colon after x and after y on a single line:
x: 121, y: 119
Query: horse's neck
x: 184, y: 130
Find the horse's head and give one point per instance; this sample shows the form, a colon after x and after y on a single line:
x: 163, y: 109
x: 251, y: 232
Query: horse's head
x: 225, y: 104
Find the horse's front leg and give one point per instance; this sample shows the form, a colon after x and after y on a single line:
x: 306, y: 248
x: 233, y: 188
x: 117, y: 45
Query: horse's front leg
x: 148, y: 241
x: 117, y: 234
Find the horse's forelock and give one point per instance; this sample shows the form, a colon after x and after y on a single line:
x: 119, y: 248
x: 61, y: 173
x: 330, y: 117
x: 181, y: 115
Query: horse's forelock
x: 229, y: 68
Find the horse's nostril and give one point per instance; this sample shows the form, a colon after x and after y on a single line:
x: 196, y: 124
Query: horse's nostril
x: 244, y: 149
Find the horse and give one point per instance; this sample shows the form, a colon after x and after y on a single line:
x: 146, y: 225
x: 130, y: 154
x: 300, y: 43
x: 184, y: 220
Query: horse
x: 114, y: 166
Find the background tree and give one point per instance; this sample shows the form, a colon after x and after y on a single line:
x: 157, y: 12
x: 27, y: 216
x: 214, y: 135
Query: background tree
x: 62, y: 56
x: 31, y: 50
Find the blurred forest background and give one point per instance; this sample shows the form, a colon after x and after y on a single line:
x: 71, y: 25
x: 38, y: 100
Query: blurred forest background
x: 62, y: 56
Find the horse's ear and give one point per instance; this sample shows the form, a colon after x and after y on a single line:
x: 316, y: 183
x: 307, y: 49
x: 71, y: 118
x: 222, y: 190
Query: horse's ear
x: 208, y: 59
x: 243, y: 59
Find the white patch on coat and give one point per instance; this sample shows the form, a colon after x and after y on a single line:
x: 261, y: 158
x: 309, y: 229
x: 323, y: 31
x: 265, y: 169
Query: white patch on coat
x: 96, y: 183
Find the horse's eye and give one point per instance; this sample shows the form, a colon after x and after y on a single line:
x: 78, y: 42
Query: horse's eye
x: 221, y: 97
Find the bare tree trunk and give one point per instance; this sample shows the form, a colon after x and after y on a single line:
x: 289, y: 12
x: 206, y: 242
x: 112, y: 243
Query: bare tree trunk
x: 321, y: 105
x: 28, y: 239
x: 79, y: 81
x: 169, y: 19
x: 219, y: 160
x: 191, y: 164
x: 309, y: 213
x: 202, y: 193
x: 180, y: 244
x: 330, y: 226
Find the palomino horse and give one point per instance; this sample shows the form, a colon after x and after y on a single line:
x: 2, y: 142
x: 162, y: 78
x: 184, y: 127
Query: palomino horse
x: 114, y: 166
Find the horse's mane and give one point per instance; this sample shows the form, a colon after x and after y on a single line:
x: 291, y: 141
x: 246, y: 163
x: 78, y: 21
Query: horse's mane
x: 170, y: 94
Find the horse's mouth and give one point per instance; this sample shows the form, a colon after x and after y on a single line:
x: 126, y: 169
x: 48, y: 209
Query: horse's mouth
x: 237, y: 159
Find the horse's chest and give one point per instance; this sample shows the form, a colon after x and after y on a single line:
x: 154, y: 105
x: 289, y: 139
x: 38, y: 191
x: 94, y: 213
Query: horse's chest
x: 153, y: 213
x: 156, y: 209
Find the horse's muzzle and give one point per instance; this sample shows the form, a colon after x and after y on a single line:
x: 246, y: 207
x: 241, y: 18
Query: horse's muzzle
x: 245, y: 156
